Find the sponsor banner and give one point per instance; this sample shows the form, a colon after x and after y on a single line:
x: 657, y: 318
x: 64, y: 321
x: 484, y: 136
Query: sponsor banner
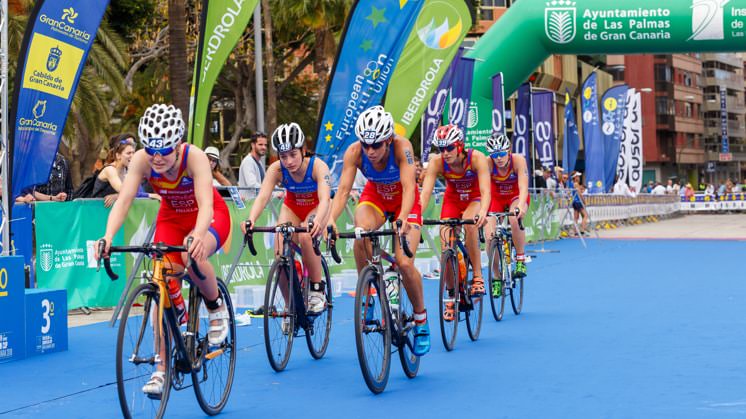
x: 724, y: 146
x: 366, y: 60
x: 221, y: 25
x: 633, y: 130
x: 12, y: 309
x: 434, y: 111
x: 572, y: 137
x: 459, y: 106
x: 426, y: 60
x: 594, y: 146
x: 622, y: 167
x: 21, y: 241
x: 612, y: 128
x: 542, y: 103
x: 521, y: 127
x: 498, y: 104
x: 58, y: 37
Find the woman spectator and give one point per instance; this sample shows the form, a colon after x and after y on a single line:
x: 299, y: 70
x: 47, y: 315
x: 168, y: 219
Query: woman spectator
x: 108, y: 183
x: 218, y: 179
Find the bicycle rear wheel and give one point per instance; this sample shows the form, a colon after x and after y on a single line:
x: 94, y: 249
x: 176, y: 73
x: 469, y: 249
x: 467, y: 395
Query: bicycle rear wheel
x: 448, y: 277
x: 279, y: 316
x: 213, y: 381
x: 495, y: 274
x: 317, y: 337
x: 473, y: 309
x: 410, y: 362
x: 516, y: 300
x: 372, y: 331
x: 137, y: 355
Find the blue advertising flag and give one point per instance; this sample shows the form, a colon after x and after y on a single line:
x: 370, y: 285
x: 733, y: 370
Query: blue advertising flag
x: 594, y: 146
x: 434, y: 111
x: 458, y: 109
x: 521, y: 123
x: 614, y: 103
x: 543, y: 119
x: 498, y: 104
x: 58, y: 38
x: 375, y: 34
x: 724, y: 144
x: 572, y: 137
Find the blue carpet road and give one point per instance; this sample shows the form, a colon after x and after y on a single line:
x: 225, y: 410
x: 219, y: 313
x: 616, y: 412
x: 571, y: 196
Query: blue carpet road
x: 623, y: 329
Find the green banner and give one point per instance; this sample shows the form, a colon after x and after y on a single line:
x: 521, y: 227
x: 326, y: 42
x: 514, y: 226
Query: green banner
x: 438, y: 32
x: 222, y: 24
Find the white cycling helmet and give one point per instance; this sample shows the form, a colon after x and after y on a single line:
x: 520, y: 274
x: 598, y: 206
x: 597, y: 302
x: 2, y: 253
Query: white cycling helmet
x: 447, y: 135
x: 287, y: 137
x: 374, y: 125
x: 498, y: 142
x: 161, y: 126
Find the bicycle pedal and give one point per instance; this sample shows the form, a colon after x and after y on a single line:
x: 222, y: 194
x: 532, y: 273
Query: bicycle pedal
x: 153, y: 396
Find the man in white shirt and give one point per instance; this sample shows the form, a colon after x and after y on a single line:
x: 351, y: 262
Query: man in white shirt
x: 551, y: 183
x: 621, y: 188
x: 251, y: 172
x: 659, y: 189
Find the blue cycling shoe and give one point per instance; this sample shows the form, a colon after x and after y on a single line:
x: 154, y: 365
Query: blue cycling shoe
x: 421, y: 339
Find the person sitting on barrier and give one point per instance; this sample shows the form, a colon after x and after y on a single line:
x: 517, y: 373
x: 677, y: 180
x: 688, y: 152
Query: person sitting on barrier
x: 190, y: 207
x: 308, y: 185
x: 509, y: 174
x: 467, y: 194
x: 387, y: 160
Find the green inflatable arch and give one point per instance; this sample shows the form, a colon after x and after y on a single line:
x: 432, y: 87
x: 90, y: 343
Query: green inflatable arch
x: 531, y: 30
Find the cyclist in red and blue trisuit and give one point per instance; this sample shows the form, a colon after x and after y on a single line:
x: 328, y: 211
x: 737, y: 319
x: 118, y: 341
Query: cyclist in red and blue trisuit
x: 307, y: 195
x: 190, y: 207
x: 387, y: 160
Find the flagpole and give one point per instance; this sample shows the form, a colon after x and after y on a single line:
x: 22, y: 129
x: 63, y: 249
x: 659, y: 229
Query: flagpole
x: 4, y: 129
x: 258, y: 70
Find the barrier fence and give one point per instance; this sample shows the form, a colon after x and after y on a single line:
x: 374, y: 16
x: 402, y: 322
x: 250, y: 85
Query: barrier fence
x: 66, y: 233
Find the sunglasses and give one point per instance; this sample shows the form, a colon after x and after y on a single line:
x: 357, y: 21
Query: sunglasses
x: 162, y: 151
x: 499, y: 154
x: 448, y: 148
x: 374, y: 146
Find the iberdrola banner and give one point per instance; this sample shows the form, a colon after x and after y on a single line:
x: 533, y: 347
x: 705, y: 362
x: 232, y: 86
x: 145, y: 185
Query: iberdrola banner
x: 58, y: 37
x: 613, y: 117
x: 498, y: 107
x: 221, y: 25
x: 434, y: 111
x: 373, y: 39
x: 572, y: 137
x: 427, y: 55
x: 594, y: 146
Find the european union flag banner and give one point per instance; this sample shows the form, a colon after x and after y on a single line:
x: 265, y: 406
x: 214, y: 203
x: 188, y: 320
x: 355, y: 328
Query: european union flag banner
x: 572, y: 137
x: 374, y: 37
x: 594, y: 146
x: 543, y: 119
x: 458, y: 109
x: 498, y: 104
x: 58, y: 38
x: 434, y: 111
x: 614, y: 103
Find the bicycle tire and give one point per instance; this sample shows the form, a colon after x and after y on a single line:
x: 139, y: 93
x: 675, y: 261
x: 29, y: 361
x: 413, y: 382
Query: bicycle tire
x: 495, y: 274
x: 474, y: 308
x: 410, y: 362
x: 372, y: 321
x: 317, y: 338
x: 517, y: 286
x: 212, y: 398
x: 130, y: 378
x: 448, y: 329
x: 278, y: 342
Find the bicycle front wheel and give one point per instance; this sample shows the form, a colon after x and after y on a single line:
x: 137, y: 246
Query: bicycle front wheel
x: 410, y: 362
x: 213, y: 381
x: 473, y: 310
x: 495, y: 274
x: 138, y: 357
x: 448, y: 298
x: 279, y: 316
x: 516, y: 294
x: 372, y: 330
x: 317, y: 337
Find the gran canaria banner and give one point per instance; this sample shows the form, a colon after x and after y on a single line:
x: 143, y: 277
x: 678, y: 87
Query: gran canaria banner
x: 58, y: 38
x: 432, y: 45
x: 222, y: 24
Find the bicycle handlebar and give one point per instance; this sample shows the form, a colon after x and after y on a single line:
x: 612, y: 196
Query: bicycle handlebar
x: 159, y: 249
x: 280, y: 228
x: 360, y: 234
x: 454, y: 222
x: 508, y: 214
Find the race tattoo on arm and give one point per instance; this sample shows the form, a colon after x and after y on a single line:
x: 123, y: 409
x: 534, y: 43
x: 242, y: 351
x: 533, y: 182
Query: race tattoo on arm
x: 408, y: 154
x: 328, y: 179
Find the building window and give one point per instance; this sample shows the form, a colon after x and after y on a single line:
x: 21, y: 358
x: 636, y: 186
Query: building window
x: 688, y: 110
x: 486, y: 14
x: 662, y: 72
x: 687, y: 80
x: 493, y: 3
x: 664, y: 106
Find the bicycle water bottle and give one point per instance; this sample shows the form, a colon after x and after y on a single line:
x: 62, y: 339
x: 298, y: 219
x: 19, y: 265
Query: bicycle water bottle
x: 391, y: 279
x: 461, y: 267
x: 177, y: 299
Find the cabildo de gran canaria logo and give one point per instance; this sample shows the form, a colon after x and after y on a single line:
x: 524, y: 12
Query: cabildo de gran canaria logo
x: 53, y: 59
x: 63, y: 25
x: 559, y: 21
x: 435, y: 35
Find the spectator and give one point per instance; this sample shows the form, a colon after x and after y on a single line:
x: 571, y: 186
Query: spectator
x: 649, y: 188
x: 721, y: 189
x: 729, y: 186
x: 58, y: 188
x: 218, y: 179
x: 108, y: 183
x: 688, y: 191
x: 578, y: 203
x: 551, y: 183
x: 539, y: 182
x: 251, y: 172
x: 676, y: 188
x: 710, y: 190
x: 669, y: 186
x: 621, y: 188
x: 659, y: 189
x: 419, y: 171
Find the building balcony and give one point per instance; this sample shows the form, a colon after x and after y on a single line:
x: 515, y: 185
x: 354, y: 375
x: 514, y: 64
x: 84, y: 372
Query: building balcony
x: 730, y: 59
x: 717, y: 77
x: 734, y: 131
x: 732, y: 104
x: 688, y: 155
